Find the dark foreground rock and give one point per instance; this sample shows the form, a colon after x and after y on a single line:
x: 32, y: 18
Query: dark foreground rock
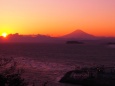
x: 96, y: 76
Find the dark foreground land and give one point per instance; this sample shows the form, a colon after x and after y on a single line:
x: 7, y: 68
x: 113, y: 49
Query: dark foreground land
x: 94, y: 76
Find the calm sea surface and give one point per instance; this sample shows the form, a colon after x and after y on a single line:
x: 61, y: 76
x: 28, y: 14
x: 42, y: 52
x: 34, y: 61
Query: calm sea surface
x: 51, y: 61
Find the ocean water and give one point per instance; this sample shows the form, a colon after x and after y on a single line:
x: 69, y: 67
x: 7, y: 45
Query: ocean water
x: 49, y: 62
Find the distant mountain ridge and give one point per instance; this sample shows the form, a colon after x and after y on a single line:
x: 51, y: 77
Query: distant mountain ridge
x: 79, y: 34
x: 73, y: 36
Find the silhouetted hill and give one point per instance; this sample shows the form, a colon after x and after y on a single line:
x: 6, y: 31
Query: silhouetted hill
x: 79, y: 34
x: 74, y: 36
x: 17, y: 38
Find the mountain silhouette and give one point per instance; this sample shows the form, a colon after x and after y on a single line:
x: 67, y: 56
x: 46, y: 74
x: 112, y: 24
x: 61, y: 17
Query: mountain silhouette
x: 79, y: 34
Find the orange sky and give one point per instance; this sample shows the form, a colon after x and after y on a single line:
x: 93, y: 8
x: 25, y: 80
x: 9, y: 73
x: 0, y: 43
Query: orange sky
x: 57, y: 17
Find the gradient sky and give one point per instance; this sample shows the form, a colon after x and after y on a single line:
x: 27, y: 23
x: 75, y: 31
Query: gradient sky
x: 57, y: 17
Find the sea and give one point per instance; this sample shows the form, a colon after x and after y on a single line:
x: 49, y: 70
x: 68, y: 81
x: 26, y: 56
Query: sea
x: 46, y: 63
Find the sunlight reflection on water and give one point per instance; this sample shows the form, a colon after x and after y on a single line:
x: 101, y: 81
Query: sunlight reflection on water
x: 51, y: 62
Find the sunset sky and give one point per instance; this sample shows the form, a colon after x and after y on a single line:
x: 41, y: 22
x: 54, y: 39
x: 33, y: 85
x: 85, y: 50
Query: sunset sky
x: 57, y: 17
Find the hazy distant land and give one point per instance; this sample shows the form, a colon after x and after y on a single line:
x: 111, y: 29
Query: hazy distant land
x: 74, y: 36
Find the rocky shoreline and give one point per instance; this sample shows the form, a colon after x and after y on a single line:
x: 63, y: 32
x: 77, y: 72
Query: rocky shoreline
x: 94, y: 76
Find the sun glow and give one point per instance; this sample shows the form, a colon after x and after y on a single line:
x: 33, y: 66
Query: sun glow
x: 4, y: 34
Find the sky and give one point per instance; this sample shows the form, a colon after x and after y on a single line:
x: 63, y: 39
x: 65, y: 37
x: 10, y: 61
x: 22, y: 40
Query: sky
x: 57, y: 17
